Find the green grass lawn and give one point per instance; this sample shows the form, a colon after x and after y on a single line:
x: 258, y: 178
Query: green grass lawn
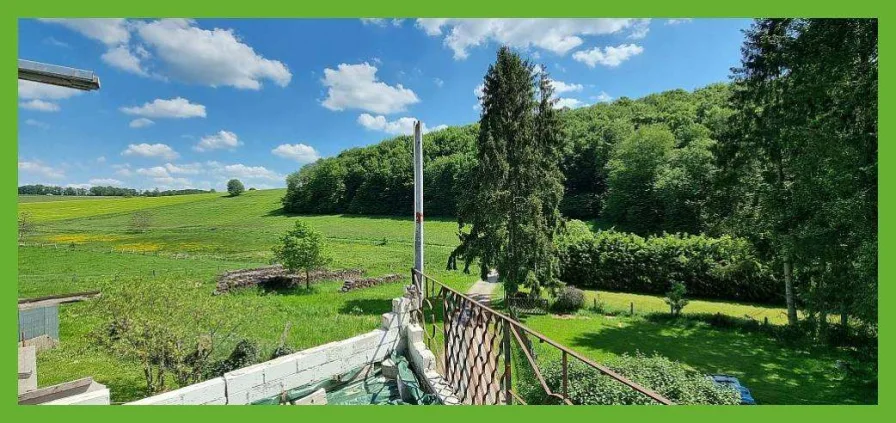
x: 89, y: 242
x: 192, y: 239
x: 774, y: 372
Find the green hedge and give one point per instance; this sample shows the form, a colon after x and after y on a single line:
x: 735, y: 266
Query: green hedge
x: 724, y: 268
x: 675, y: 381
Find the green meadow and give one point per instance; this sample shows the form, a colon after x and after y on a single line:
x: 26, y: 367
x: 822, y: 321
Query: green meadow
x: 86, y: 243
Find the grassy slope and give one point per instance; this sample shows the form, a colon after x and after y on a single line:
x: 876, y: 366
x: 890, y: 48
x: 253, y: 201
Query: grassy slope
x: 776, y: 374
x: 218, y: 233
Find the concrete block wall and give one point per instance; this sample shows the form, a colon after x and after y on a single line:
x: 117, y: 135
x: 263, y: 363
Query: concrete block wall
x: 423, y: 361
x: 264, y: 380
x: 97, y: 397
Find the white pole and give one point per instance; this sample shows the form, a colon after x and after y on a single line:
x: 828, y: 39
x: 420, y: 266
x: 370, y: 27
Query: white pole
x: 418, y: 197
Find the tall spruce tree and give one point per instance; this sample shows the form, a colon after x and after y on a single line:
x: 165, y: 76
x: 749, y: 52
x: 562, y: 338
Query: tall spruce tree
x: 513, y: 204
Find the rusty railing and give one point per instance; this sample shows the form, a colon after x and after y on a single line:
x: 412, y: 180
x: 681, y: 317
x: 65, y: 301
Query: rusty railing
x: 477, y: 349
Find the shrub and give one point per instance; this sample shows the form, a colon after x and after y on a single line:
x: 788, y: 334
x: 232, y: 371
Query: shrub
x: 675, y: 298
x: 245, y: 353
x: 675, y: 381
x: 235, y: 187
x: 723, y: 268
x: 569, y: 299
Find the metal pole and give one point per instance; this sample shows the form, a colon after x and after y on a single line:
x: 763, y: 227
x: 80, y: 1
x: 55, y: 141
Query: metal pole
x: 418, y: 198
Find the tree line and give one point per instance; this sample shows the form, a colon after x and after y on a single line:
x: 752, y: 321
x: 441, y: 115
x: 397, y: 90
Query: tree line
x: 105, y: 191
x: 784, y: 156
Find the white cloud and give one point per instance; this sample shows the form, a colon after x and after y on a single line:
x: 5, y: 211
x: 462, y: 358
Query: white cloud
x: 35, y: 90
x: 221, y: 140
x: 82, y: 186
x: 381, y: 22
x: 40, y: 106
x: 214, y: 57
x: 609, y: 56
x: 184, y: 169
x: 54, y: 42
x: 438, y: 81
x: 106, y: 182
x: 101, y: 159
x: 109, y: 31
x: 556, y: 35
x: 43, y: 97
x: 571, y: 103
x: 122, y: 58
x: 301, y: 153
x: 36, y: 123
x: 356, y: 87
x: 678, y: 21
x: 179, y: 107
x: 150, y: 150
x: 38, y: 168
x: 170, y: 182
x: 640, y: 29
x: 400, y: 126
x: 141, y: 123
x: 561, y: 87
x: 603, y: 97
x: 242, y: 171
x: 154, y: 172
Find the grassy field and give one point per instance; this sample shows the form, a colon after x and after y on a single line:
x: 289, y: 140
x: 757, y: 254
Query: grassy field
x: 83, y: 243
x: 774, y: 372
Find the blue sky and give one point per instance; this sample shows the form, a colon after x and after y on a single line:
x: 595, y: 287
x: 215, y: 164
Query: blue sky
x: 192, y: 103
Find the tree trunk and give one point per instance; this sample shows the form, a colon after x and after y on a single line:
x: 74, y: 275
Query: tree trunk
x: 844, y: 317
x: 307, y: 280
x: 789, y: 294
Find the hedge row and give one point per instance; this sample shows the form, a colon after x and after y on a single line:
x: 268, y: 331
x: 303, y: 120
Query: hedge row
x: 724, y: 268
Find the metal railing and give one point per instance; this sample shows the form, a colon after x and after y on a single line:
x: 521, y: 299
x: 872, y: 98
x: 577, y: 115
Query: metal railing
x: 477, y: 349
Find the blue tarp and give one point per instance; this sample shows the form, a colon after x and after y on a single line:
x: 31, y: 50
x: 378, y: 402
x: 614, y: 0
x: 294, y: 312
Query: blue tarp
x: 730, y: 381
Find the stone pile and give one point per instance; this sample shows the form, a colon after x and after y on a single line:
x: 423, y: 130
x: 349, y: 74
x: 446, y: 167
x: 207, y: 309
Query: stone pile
x: 243, y: 278
x: 352, y: 284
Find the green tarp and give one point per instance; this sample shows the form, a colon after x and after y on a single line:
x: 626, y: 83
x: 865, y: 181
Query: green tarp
x: 370, y: 389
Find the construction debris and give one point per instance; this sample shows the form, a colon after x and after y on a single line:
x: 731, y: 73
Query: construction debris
x: 352, y: 284
x: 259, y: 276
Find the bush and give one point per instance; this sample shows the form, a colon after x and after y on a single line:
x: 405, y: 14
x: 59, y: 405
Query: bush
x: 675, y: 381
x: 724, y: 268
x: 569, y: 299
x: 244, y: 354
x: 675, y: 298
x: 235, y: 187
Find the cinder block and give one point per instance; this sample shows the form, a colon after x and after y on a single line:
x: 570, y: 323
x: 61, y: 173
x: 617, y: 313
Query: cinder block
x: 414, y: 334
x: 165, y: 398
x: 237, y: 398
x: 216, y: 401
x: 98, y: 397
x: 280, y: 368
x: 298, y: 379
x: 311, y: 360
x: 329, y: 370
x: 402, y: 305
x: 203, y: 392
x: 264, y: 391
x: 422, y: 358
x: 367, y: 341
x: 246, y: 378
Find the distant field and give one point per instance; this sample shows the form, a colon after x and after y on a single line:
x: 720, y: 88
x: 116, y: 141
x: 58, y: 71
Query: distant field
x: 54, y: 208
x: 80, y: 244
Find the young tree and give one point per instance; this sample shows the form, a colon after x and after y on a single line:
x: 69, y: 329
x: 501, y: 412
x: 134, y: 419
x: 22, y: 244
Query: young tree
x: 675, y: 298
x: 235, y: 187
x: 26, y: 226
x: 302, y: 249
x: 516, y: 188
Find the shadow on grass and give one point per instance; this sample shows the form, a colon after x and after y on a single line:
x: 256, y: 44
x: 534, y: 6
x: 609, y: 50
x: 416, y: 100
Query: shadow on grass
x: 366, y: 307
x: 284, y: 286
x: 774, y: 373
